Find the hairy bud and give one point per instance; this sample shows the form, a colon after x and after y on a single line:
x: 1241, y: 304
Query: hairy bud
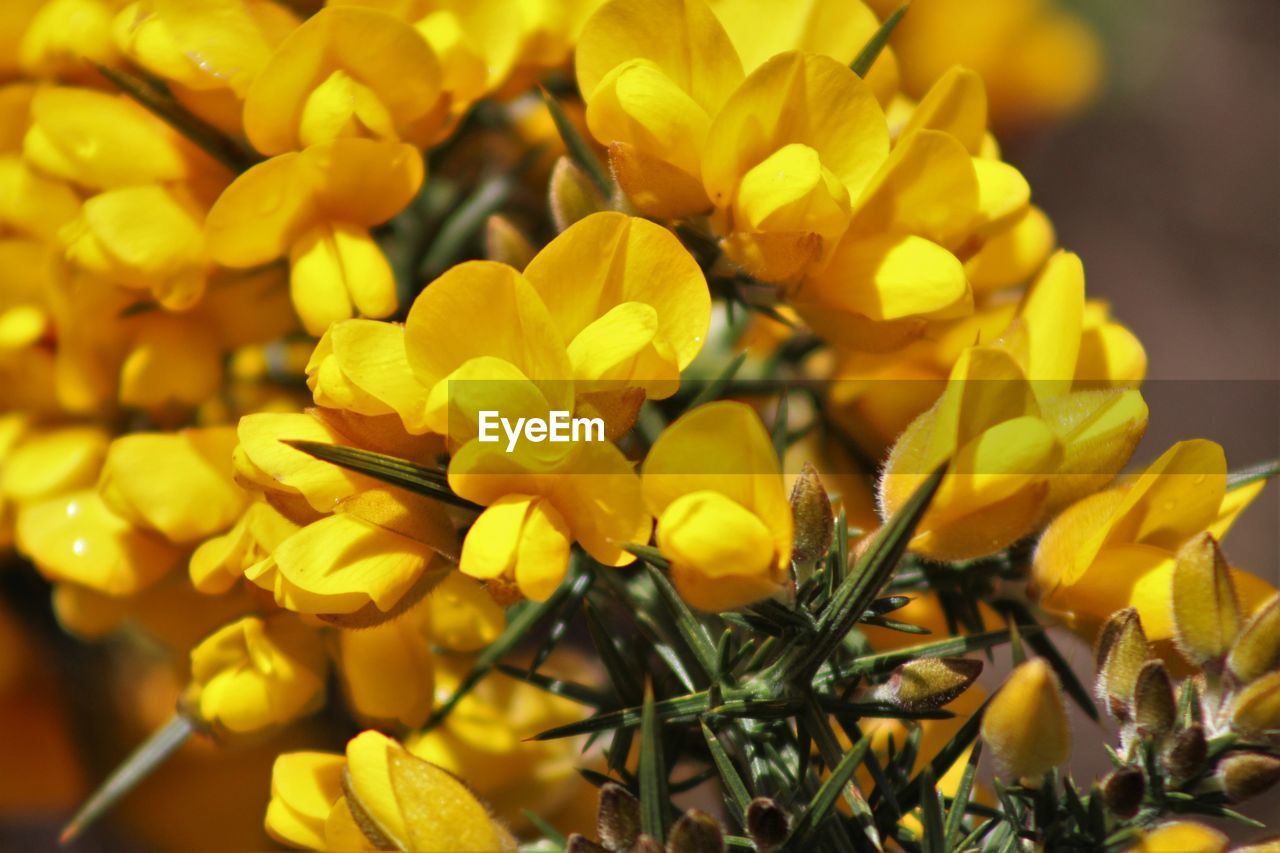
x: 618, y: 820
x: 1026, y: 723
x: 1256, y: 708
x: 1257, y: 650
x: 1123, y: 791
x: 1122, y: 651
x: 1154, y: 709
x: 505, y: 243
x: 767, y: 823
x: 1206, y: 612
x: 571, y: 194
x: 928, y: 683
x: 696, y: 832
x: 1245, y: 775
x: 1187, y: 752
x: 815, y: 524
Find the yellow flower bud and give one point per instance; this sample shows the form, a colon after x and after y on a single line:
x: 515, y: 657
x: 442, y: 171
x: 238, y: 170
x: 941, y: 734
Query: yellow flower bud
x: 1206, y: 614
x: 304, y: 788
x: 928, y: 683
x: 1256, y: 708
x: 1026, y: 723
x: 1182, y: 836
x: 257, y: 674
x: 1257, y: 649
x: 1245, y: 775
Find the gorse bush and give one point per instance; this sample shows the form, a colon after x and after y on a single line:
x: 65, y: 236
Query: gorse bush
x: 303, y: 306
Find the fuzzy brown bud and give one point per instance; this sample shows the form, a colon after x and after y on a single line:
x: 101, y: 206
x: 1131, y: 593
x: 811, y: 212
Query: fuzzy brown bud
x: 696, y: 832
x: 928, y: 683
x: 1123, y: 790
x: 1122, y: 650
x: 1154, y: 709
x: 1245, y: 775
x: 618, y: 819
x: 1187, y: 752
x: 577, y: 843
x: 815, y: 525
x: 767, y: 823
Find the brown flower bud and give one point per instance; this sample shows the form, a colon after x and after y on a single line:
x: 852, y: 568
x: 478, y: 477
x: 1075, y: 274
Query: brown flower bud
x: 815, y: 525
x: 647, y: 844
x: 1187, y: 752
x: 1154, y: 709
x: 618, y: 819
x: 1122, y: 650
x: 928, y: 683
x: 1245, y: 775
x: 505, y: 243
x: 767, y: 823
x: 1206, y: 612
x: 1123, y: 790
x: 571, y: 194
x: 1256, y: 708
x: 696, y: 832
x: 577, y: 843
x: 1257, y: 650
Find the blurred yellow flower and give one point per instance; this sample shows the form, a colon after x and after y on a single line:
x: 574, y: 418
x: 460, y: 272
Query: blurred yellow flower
x: 1026, y: 723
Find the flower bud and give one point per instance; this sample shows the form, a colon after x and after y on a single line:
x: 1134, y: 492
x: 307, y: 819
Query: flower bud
x: 1154, y: 709
x: 1186, y: 754
x: 571, y: 194
x: 696, y: 832
x: 1257, y: 649
x: 618, y: 820
x: 767, y: 823
x: 1245, y: 775
x: 1256, y: 708
x: 1122, y: 651
x: 815, y: 525
x: 928, y: 683
x: 1026, y: 723
x: 1180, y: 836
x: 1123, y: 790
x: 578, y: 843
x: 1206, y: 612
x: 505, y: 243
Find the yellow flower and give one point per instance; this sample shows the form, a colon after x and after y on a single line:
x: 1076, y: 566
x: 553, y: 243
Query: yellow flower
x: 1026, y: 723
x: 761, y: 30
x: 1039, y: 62
x: 177, y: 484
x: 724, y: 522
x: 316, y: 208
x: 653, y: 76
x: 346, y: 72
x: 387, y: 670
x: 378, y: 796
x: 220, y: 561
x: 1013, y: 457
x: 102, y: 141
x: 145, y: 238
x: 1117, y: 548
x: 66, y: 38
x: 257, y: 674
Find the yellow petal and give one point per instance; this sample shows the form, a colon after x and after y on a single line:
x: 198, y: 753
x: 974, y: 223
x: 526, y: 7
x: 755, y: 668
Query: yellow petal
x: 76, y: 538
x: 174, y: 360
x: 1046, y: 336
x: 890, y: 278
x: 53, y: 462
x: 304, y: 787
x: 179, y: 484
x: 387, y: 670
x: 1182, y: 836
x: 32, y: 203
x: 616, y: 259
x: 955, y: 104
x: 780, y: 103
x: 464, y: 617
x: 362, y: 181
x: 1026, y: 723
x: 271, y: 464
x: 392, y: 62
x: 100, y: 140
x: 761, y: 29
x: 332, y: 267
x: 1177, y: 496
x: 1012, y: 255
x: 367, y: 371
x: 721, y: 554
x: 259, y: 216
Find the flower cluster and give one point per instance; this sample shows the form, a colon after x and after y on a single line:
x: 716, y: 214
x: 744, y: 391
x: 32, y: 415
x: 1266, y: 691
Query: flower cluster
x: 271, y: 270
